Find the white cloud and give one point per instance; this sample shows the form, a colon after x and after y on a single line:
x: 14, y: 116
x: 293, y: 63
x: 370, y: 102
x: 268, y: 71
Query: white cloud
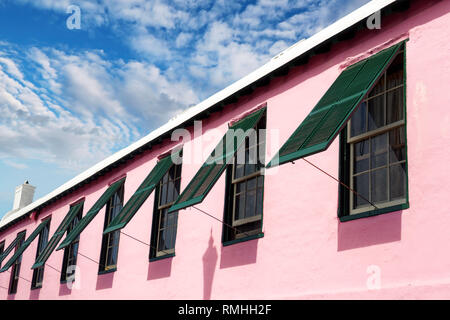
x: 14, y: 164
x: 97, y: 106
x: 75, y: 108
x: 182, y: 39
x: 150, y: 46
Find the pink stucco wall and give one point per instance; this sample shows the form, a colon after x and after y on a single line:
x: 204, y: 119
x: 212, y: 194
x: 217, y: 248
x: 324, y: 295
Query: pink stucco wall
x: 305, y: 252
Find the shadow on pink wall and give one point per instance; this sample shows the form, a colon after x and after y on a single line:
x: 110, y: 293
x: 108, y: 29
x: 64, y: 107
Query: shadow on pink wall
x: 209, y: 267
x: 159, y: 269
x: 105, y: 281
x: 64, y: 290
x: 366, y: 232
x: 239, y: 254
x: 34, y: 294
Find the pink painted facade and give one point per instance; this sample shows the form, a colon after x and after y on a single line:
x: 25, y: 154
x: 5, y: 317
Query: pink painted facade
x: 306, y: 252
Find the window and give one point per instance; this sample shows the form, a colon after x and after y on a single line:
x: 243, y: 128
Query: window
x: 206, y: 177
x: 245, y: 187
x: 15, y: 272
x: 71, y: 251
x: 373, y: 147
x: 110, y: 241
x: 331, y: 114
x: 164, y: 226
x: 38, y: 274
x: 2, y: 248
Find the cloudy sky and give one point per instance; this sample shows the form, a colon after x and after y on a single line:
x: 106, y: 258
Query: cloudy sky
x: 71, y: 97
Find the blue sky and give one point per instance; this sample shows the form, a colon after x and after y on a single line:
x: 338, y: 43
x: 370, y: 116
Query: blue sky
x: 70, y: 98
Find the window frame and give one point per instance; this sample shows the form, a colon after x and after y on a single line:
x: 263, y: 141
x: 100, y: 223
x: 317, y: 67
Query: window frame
x: 346, y: 157
x: 15, y: 271
x: 38, y: 273
x: 67, y: 256
x: 158, y: 209
x: 106, y: 249
x: 2, y: 249
x: 228, y: 236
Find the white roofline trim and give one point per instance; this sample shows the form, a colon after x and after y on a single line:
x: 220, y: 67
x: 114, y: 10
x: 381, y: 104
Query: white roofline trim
x: 281, y: 59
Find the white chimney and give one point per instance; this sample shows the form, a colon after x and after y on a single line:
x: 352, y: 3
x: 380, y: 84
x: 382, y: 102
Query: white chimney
x: 23, y: 196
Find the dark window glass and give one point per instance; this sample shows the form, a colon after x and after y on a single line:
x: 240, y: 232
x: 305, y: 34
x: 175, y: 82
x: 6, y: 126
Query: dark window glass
x: 2, y: 248
x: 15, y: 271
x: 375, y: 154
x: 110, y: 241
x: 164, y: 225
x: 71, y: 251
x: 245, y: 187
x: 38, y: 274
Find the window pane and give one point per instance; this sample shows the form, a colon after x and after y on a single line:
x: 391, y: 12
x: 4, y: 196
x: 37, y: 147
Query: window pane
x: 397, y: 150
x: 114, y: 250
x: 250, y: 204
x: 171, y: 219
x: 110, y: 242
x: 251, y: 184
x: 378, y: 88
x: 379, y: 185
x: 171, y: 243
x: 170, y: 189
x: 240, y: 187
x: 379, y: 151
x: 395, y: 105
x: 259, y: 201
x: 250, y: 161
x: 163, y: 217
x: 261, y: 154
x: 240, y: 207
x: 239, y: 171
x: 358, y: 121
x: 397, y: 181
x: 361, y: 156
x: 167, y: 238
x: 163, y: 198
x: 74, y: 252
x: 117, y: 199
x: 376, y: 112
x: 395, y: 72
x: 260, y: 181
x: 361, y: 186
x: 171, y: 173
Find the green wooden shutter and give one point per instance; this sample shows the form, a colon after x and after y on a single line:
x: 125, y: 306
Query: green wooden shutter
x: 24, y: 246
x: 141, y: 194
x: 91, y: 214
x: 329, y: 116
x: 11, y: 247
x: 59, y: 233
x: 203, y: 181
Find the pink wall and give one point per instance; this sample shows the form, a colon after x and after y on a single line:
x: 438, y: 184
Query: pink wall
x: 305, y: 252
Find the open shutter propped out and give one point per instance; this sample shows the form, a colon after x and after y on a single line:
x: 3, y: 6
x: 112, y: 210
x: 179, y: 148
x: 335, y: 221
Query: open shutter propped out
x: 329, y: 116
x: 215, y: 165
x: 90, y: 215
x: 59, y: 233
x: 24, y: 245
x: 11, y: 247
x: 141, y: 194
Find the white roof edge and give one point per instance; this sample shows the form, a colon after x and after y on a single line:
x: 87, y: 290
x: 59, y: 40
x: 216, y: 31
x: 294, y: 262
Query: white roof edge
x: 287, y: 55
